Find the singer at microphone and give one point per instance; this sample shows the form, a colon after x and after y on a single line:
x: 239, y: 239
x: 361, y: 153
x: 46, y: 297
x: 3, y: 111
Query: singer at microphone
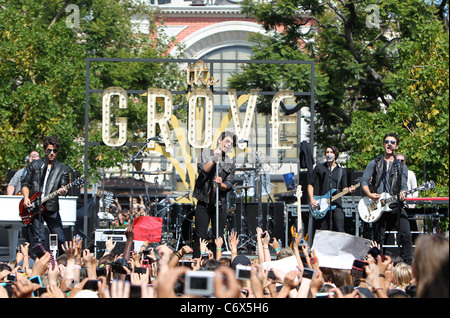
x: 326, y: 180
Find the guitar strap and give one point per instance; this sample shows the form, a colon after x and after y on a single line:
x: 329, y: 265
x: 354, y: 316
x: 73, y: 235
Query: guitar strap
x: 339, y: 178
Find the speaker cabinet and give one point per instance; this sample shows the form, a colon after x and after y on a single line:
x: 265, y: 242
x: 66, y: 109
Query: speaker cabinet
x: 272, y: 218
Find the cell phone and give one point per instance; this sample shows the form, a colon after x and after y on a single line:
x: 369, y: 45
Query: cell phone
x: 358, y: 268
x: 11, y: 277
x: 308, y: 273
x: 200, y: 283
x: 145, y: 263
x: 263, y: 234
x: 186, y: 263
x: 205, y: 257
x: 91, y: 284
x: 375, y: 251
x: 243, y: 272
x: 36, y: 280
x: 39, y: 250
x: 53, y: 242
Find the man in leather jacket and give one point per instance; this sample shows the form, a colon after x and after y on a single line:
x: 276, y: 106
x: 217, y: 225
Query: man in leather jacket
x: 46, y: 175
x: 204, y: 189
x: 389, y: 175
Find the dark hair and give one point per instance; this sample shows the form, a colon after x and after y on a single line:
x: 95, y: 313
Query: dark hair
x: 227, y: 134
x: 335, y: 150
x: 392, y: 135
x: 51, y: 140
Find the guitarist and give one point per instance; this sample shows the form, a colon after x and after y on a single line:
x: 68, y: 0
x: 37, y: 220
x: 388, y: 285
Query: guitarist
x: 329, y: 175
x: 46, y: 175
x: 389, y: 175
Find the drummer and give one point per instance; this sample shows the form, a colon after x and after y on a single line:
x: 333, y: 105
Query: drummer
x: 215, y: 169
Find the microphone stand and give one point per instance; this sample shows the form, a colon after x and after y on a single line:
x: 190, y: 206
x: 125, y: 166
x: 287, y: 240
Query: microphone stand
x: 132, y: 172
x: 217, y: 197
x: 399, y: 204
x: 44, y: 165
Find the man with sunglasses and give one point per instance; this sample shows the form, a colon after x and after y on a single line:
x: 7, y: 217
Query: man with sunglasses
x: 387, y: 174
x: 46, y: 175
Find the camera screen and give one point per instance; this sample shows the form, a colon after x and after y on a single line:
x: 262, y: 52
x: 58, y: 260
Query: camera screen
x: 199, y: 283
x: 308, y: 273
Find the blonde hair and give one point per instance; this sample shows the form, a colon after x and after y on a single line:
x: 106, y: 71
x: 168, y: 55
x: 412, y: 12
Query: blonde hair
x: 402, y: 275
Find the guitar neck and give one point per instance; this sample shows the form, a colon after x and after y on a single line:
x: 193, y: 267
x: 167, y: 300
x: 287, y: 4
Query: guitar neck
x: 55, y: 193
x: 337, y: 196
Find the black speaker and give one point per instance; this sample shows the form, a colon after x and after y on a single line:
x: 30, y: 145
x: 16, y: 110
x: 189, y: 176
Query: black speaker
x: 272, y: 218
x: 352, y: 179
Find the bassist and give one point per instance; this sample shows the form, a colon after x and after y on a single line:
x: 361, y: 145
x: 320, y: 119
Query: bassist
x: 329, y: 175
x: 45, y: 175
x: 389, y: 175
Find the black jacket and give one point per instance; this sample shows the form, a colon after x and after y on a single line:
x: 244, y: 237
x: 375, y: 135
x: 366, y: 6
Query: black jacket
x: 34, y: 179
x: 204, y: 185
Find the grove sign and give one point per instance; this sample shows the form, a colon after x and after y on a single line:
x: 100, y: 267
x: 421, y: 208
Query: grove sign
x: 202, y: 97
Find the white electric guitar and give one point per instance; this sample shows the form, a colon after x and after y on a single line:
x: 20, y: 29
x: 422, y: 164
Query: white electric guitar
x: 370, y: 211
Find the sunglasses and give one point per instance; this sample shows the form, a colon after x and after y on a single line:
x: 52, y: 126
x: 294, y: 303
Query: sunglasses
x: 393, y: 142
x: 48, y: 151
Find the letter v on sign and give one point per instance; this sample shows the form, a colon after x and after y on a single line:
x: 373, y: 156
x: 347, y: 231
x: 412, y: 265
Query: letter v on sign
x: 243, y: 131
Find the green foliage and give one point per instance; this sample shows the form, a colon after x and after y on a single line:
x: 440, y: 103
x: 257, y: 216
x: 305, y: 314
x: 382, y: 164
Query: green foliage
x: 42, y: 76
x: 373, y: 79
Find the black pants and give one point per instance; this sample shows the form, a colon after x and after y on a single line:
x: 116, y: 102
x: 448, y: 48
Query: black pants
x: 54, y: 223
x: 204, y: 214
x: 337, y: 224
x: 397, y: 219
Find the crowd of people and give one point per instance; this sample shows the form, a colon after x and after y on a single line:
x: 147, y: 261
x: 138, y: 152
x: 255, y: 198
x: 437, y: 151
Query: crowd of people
x: 158, y: 271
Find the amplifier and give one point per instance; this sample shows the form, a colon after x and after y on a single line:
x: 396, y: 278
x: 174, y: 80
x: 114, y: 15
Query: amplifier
x: 118, y: 236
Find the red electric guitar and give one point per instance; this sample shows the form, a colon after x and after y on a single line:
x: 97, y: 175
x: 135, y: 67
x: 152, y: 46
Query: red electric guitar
x: 28, y: 214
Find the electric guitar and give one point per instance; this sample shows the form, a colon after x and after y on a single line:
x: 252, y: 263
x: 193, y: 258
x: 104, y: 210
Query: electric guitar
x: 296, y: 231
x: 324, y: 202
x: 28, y: 214
x: 370, y: 211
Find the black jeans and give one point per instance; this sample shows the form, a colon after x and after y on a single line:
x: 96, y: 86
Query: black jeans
x: 204, y: 214
x: 54, y: 223
x: 338, y: 221
x: 397, y: 219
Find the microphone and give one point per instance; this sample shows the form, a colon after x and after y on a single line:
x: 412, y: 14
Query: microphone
x: 330, y: 157
x: 390, y: 147
x: 26, y: 159
x: 241, y: 141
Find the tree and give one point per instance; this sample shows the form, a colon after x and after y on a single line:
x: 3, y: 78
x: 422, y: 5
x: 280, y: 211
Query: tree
x: 42, y: 74
x: 381, y: 67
